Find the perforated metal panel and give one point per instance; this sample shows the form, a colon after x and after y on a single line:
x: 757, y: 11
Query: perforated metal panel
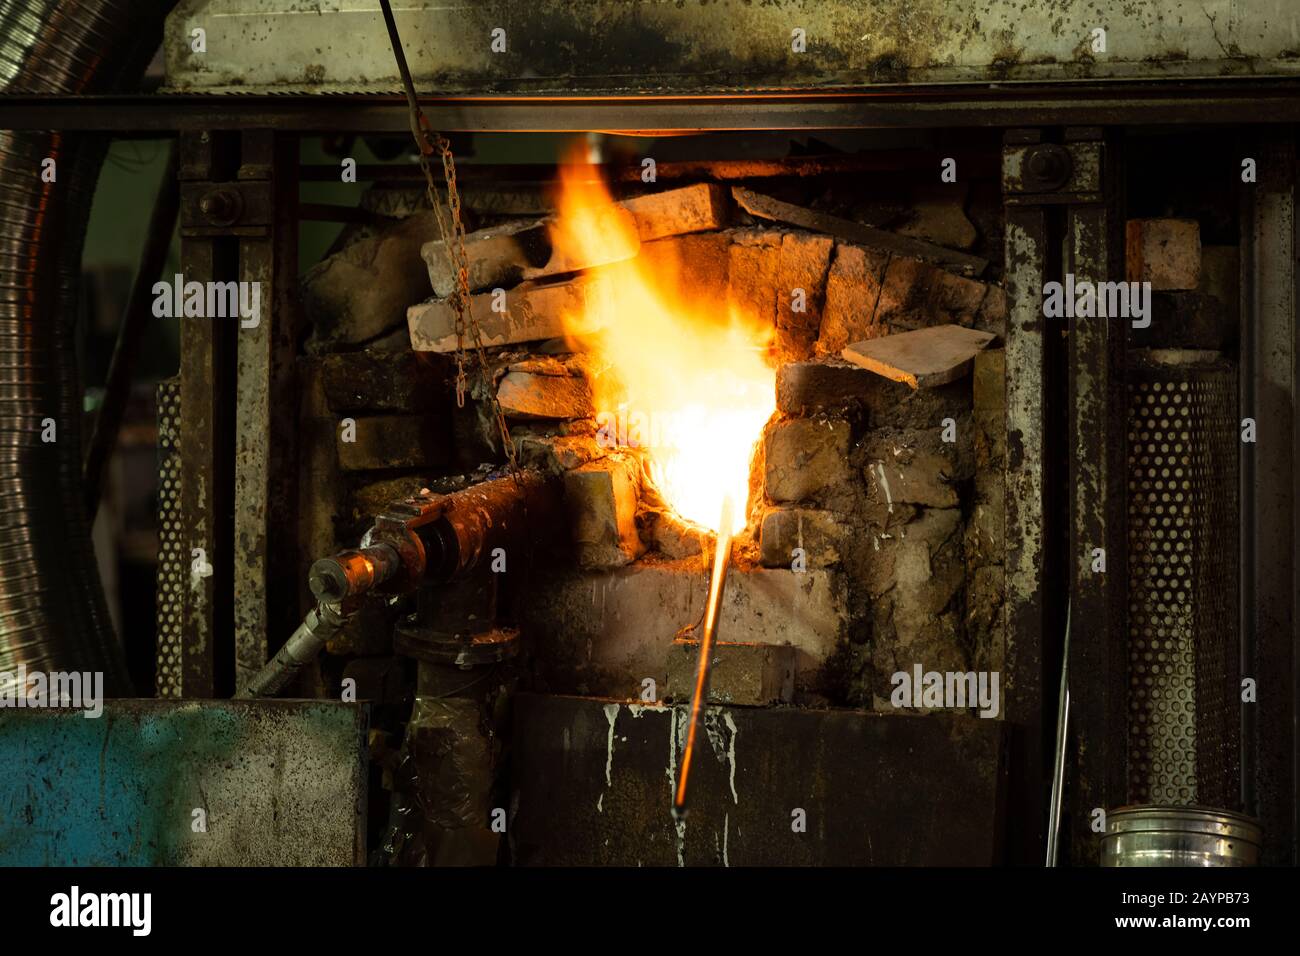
x: 1182, y: 535
x: 171, y: 554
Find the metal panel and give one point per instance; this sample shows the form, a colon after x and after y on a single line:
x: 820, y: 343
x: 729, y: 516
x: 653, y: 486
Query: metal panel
x: 593, y: 785
x: 201, y: 536
x: 1065, y: 460
x: 1025, y: 615
x: 265, y: 473
x: 205, y: 458
x: 571, y: 46
x: 1098, y: 659
x: 173, y: 559
x: 1269, y: 490
x: 282, y: 783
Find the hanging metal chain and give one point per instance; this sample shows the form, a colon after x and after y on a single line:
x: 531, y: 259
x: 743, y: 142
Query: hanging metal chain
x: 453, y: 241
x: 427, y: 143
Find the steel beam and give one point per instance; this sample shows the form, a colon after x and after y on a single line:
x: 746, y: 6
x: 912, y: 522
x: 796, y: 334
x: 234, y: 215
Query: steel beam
x: 569, y: 46
x: 204, y: 450
x: 1002, y: 105
x: 265, y: 472
x: 1269, y: 492
x: 1026, y: 621
x: 1098, y: 488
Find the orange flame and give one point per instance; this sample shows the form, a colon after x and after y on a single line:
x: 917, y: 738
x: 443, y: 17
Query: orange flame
x: 689, y: 380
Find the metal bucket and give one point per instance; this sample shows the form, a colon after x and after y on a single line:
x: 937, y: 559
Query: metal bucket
x: 1179, y: 836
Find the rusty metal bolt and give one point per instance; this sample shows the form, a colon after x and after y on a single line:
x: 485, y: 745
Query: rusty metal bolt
x: 221, y: 207
x: 1047, y: 167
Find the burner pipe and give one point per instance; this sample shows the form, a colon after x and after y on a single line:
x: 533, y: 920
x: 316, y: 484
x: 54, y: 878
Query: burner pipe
x: 424, y: 538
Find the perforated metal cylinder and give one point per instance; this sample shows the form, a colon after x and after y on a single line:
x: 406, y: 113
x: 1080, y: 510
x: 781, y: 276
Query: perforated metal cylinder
x: 1184, y: 716
x: 173, y: 565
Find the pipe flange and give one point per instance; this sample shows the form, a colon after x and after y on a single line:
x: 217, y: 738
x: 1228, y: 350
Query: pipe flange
x: 464, y: 651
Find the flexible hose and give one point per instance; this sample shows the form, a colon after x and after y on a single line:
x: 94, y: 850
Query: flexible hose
x: 53, y: 616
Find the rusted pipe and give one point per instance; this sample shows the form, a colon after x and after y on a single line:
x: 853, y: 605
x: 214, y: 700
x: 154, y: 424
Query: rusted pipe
x: 417, y: 540
x: 352, y: 573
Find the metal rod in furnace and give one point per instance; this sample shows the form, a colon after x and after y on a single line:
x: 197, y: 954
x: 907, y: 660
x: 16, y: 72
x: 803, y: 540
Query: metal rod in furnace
x: 712, y: 610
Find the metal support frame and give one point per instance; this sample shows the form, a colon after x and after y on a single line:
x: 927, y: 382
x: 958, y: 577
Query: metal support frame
x: 266, y: 587
x: 1064, y: 399
x: 1049, y: 419
x: 1242, y: 100
x: 1098, y: 493
x: 1269, y: 493
x: 206, y: 349
x: 238, y: 448
x: 1026, y: 470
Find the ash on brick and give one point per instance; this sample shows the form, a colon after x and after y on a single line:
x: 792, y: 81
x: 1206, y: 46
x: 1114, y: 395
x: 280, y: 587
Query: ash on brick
x: 852, y: 290
x: 915, y: 466
x: 936, y: 214
x: 601, y: 498
x: 753, y: 261
x: 534, y: 311
x: 395, y: 441
x: 915, y: 577
x: 915, y: 294
x: 603, y: 632
x: 505, y: 255
x: 827, y: 384
x: 766, y: 207
x: 800, y: 293
x: 363, y: 291
x: 673, y: 212
x: 528, y: 396
x: 674, y: 537
x: 819, y: 534
x: 556, y: 453
x: 922, y: 358
x: 804, y: 457
x: 750, y: 675
x: 377, y: 381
